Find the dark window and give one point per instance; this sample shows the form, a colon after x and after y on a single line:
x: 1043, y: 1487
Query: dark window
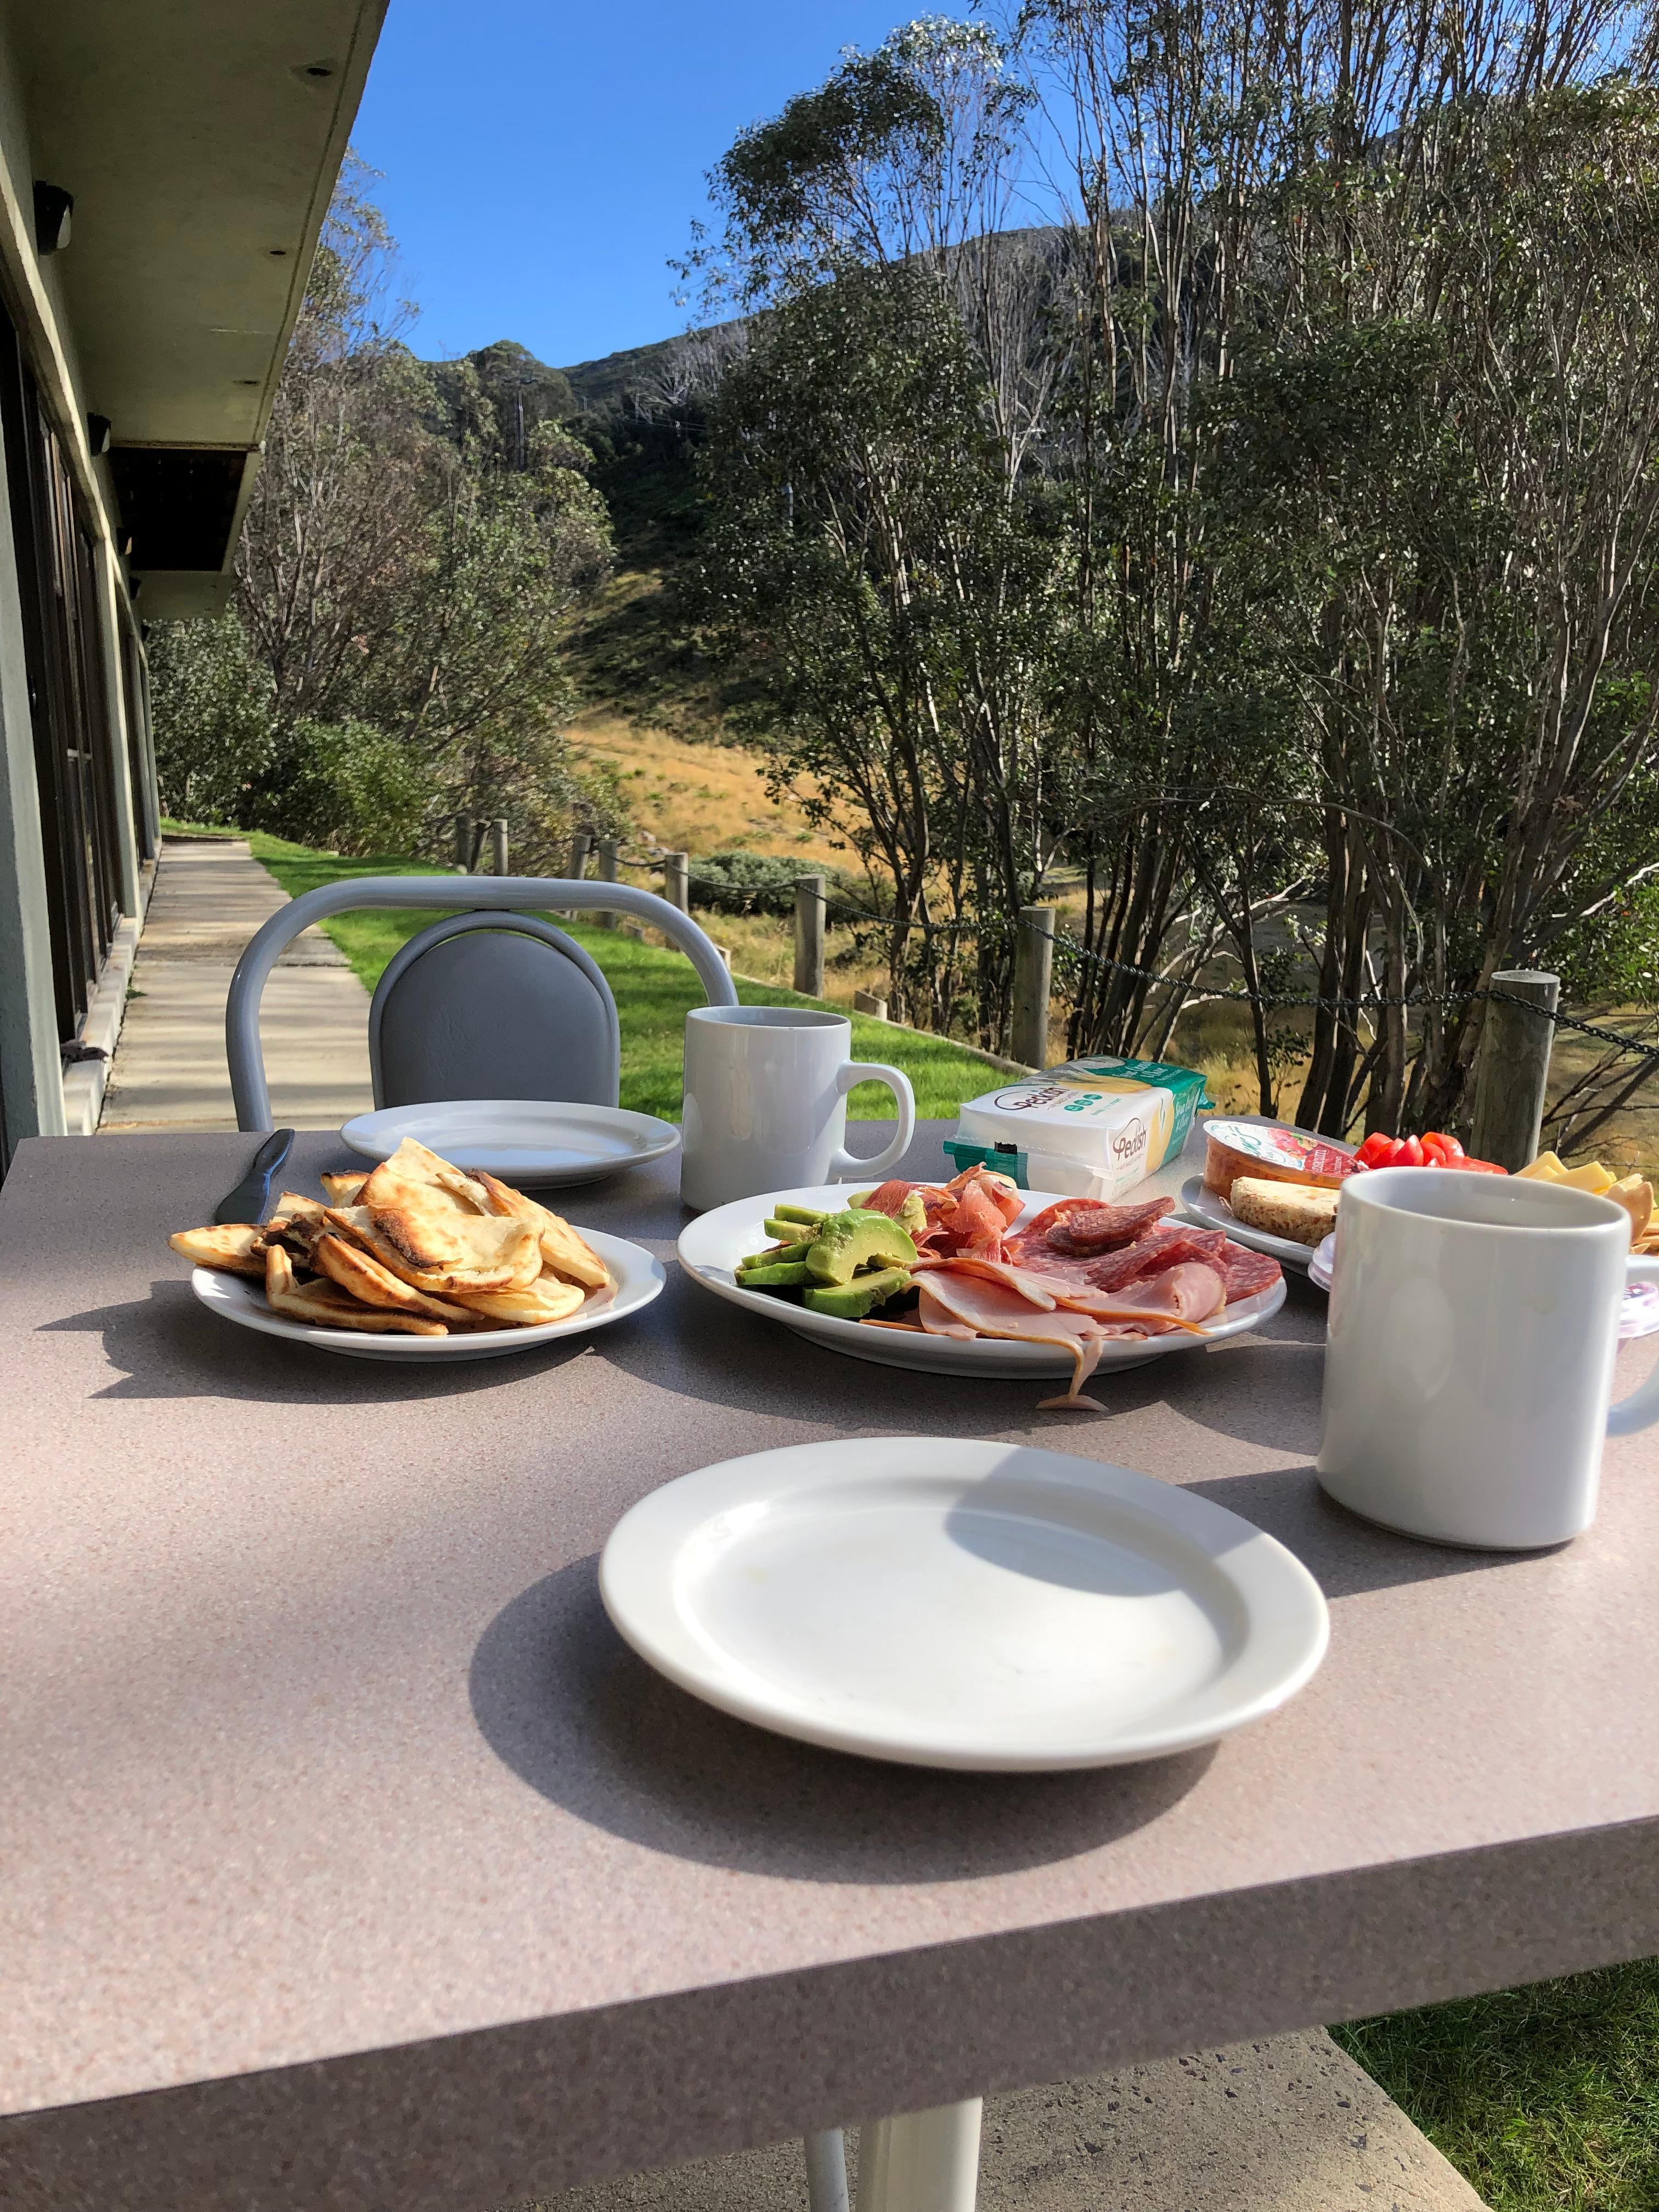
x: 56, y: 578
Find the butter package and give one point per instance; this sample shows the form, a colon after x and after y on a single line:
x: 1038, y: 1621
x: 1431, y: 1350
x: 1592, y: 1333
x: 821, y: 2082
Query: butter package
x: 1093, y: 1128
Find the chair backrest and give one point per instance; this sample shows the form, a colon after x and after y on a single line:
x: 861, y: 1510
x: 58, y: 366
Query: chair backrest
x: 490, y: 898
x: 484, y: 1006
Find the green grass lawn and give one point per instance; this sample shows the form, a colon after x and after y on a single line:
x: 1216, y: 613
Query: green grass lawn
x: 1546, y: 2099
x: 654, y: 990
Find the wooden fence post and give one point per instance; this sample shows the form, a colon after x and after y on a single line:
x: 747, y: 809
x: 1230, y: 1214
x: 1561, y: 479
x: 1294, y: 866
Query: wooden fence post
x: 1513, y: 1072
x: 1034, y: 967
x: 677, y: 880
x: 498, y: 840
x: 607, y: 875
x: 579, y: 848
x: 809, y: 936
x: 463, y: 844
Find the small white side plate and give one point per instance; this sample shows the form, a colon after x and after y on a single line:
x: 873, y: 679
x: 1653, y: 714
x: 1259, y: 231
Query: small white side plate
x: 521, y: 1139
x: 710, y: 1249
x: 962, y: 1604
x: 1203, y: 1206
x: 640, y: 1278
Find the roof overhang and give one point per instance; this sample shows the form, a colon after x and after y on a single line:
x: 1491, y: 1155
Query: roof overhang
x: 201, y: 140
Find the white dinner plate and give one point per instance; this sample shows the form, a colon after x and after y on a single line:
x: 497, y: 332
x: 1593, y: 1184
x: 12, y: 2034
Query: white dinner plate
x: 943, y: 1602
x: 521, y: 1139
x: 1210, y: 1211
x: 710, y: 1249
x: 640, y: 1279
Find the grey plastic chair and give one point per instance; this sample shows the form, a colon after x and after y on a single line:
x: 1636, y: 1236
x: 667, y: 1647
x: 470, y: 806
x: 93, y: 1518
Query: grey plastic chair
x: 491, y: 1003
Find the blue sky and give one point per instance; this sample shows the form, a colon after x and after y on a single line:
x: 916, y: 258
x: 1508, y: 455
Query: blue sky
x: 542, y: 163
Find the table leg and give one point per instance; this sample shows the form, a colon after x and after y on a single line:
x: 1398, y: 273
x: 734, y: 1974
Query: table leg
x: 921, y: 2161
x: 826, y: 2171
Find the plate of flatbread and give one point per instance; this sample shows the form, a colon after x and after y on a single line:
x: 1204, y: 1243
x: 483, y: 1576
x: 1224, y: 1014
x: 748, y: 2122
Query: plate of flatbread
x: 418, y: 1260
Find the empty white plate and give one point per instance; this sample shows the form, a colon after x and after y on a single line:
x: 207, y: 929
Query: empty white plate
x: 521, y: 1139
x: 961, y: 1604
x: 639, y: 1276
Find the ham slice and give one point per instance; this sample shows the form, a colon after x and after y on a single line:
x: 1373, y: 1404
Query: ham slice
x: 951, y: 1304
x: 1177, y: 1298
x: 1022, y: 1281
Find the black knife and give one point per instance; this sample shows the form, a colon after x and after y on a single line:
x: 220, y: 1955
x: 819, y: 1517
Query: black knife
x: 248, y: 1201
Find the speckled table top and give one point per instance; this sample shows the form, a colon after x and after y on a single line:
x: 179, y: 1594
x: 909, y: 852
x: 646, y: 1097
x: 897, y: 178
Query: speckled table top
x: 350, y: 1859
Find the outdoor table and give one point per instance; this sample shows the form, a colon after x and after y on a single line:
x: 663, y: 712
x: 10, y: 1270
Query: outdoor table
x: 350, y: 1860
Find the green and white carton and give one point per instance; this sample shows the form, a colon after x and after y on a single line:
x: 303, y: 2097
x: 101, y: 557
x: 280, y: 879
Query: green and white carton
x: 1092, y: 1128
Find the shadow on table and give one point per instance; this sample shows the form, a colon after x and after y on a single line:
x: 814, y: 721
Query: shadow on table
x: 171, y: 1346
x: 1345, y: 1555
x: 565, y: 1703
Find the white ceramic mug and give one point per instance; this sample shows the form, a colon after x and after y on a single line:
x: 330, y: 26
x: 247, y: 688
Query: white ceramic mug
x: 766, y: 1102
x: 1474, y: 1323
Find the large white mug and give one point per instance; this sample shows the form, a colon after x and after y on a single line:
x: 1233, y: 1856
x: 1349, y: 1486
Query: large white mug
x: 1474, y: 1323
x: 766, y: 1102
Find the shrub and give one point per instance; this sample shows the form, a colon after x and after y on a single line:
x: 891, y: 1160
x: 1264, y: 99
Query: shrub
x: 765, y: 882
x: 344, y: 786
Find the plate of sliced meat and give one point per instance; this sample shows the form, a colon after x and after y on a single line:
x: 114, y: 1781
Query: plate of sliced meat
x: 975, y: 1276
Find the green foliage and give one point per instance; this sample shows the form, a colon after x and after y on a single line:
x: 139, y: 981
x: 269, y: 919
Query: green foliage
x: 344, y: 784
x: 756, y: 883
x: 213, y: 715
x: 1545, y: 2098
x: 412, y: 555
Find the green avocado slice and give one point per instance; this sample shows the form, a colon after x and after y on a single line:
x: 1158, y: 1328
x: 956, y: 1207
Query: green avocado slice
x: 852, y: 1301
x: 775, y: 1278
x: 849, y: 1240
x: 811, y: 1215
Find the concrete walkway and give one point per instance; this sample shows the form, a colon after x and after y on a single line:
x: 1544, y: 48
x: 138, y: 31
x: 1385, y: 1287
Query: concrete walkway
x: 169, y: 1070
x: 1288, y: 2125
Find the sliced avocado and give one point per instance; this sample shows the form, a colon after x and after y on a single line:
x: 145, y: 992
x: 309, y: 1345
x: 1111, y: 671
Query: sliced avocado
x: 774, y: 1278
x: 789, y: 1232
x: 811, y: 1215
x: 849, y: 1240
x: 912, y: 1216
x: 775, y: 1254
x: 852, y: 1301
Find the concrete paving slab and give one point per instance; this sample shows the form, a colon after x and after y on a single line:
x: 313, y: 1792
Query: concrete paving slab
x: 169, y: 1070
x: 1290, y: 2124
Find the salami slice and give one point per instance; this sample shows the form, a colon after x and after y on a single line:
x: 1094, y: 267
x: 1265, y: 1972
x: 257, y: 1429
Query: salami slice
x: 1102, y: 1228
x: 1246, y: 1273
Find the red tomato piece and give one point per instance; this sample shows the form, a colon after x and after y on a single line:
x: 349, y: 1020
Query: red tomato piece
x: 1410, y: 1154
x: 1478, y: 1167
x: 1376, y: 1150
x: 1454, y: 1150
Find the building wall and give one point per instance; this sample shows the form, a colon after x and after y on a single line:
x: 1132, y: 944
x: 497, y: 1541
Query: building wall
x: 32, y: 1085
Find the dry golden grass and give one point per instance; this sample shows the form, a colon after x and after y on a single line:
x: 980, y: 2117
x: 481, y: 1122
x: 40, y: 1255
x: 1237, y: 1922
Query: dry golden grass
x: 698, y: 797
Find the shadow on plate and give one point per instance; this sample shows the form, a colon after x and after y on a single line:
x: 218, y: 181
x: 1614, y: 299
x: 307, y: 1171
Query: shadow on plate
x: 564, y: 1702
x: 171, y: 1346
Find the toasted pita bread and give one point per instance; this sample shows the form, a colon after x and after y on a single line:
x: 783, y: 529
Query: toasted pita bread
x: 372, y: 1285
x: 546, y: 1299
x: 413, y: 1163
x: 235, y: 1248
x: 563, y: 1249
x: 326, y: 1305
x: 342, y: 1189
x: 426, y: 1242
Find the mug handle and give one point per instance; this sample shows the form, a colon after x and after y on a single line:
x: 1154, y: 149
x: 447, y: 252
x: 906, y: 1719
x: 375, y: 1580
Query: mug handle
x: 1641, y: 1409
x: 856, y: 1071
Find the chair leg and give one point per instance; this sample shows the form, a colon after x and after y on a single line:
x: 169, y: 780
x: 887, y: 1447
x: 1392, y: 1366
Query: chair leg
x: 826, y: 2171
x: 921, y: 2161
